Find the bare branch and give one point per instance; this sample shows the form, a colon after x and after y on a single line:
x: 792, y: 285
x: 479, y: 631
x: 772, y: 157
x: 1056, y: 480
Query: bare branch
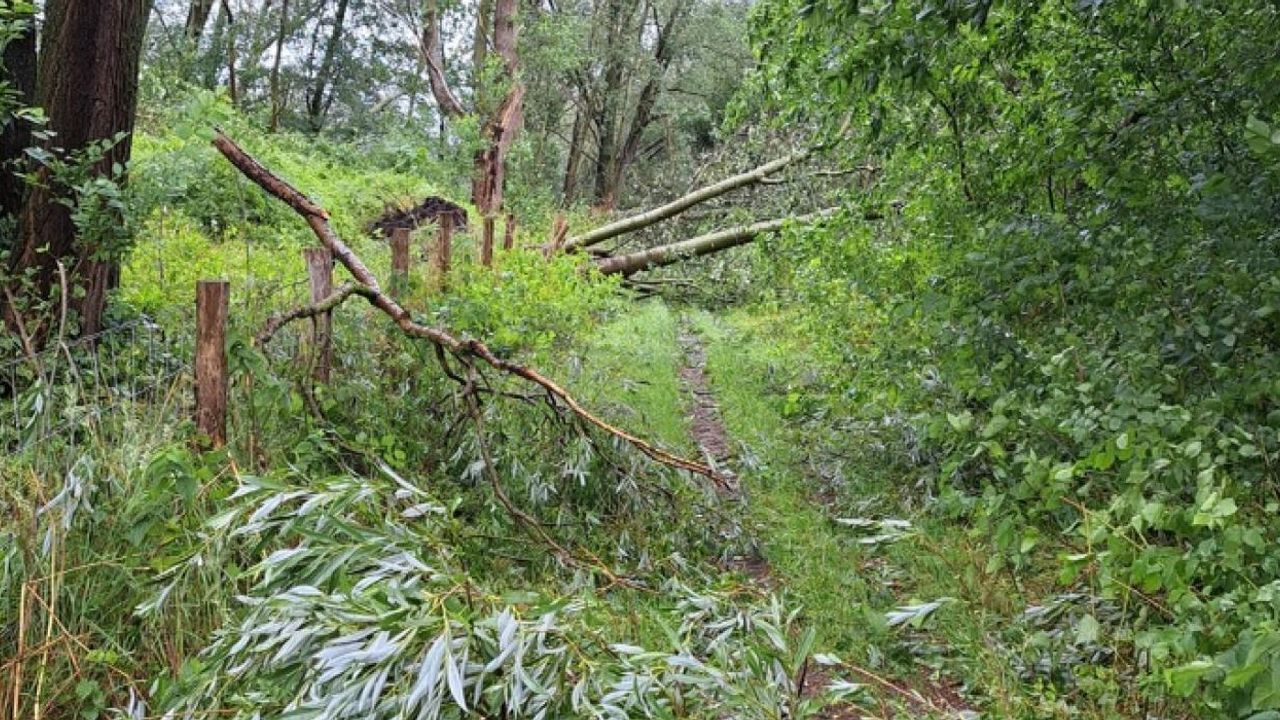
x: 464, y: 350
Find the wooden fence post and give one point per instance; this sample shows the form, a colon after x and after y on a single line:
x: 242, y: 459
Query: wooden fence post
x: 442, y: 254
x: 486, y: 243
x: 399, y: 259
x: 509, y: 232
x: 320, y: 271
x: 213, y: 299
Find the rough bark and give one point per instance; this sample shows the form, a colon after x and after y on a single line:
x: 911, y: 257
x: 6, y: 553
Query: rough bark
x: 432, y: 50
x: 480, y: 42
x: 19, y: 73
x: 627, y: 265
x: 568, y: 192
x: 316, y: 101
x: 675, y: 207
x: 197, y: 17
x: 501, y: 128
x: 87, y: 84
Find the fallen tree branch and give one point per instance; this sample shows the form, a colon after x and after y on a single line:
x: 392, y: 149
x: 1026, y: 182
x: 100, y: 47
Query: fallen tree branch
x: 463, y: 349
x: 675, y: 207
x: 628, y: 265
x: 279, y: 320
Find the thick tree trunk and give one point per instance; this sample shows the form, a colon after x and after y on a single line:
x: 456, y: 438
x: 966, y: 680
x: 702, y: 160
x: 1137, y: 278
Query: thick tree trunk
x: 87, y: 85
x: 500, y: 129
x: 197, y: 17
x: 679, y: 205
x: 15, y: 135
x: 316, y: 102
x: 618, y: 17
x: 627, y: 265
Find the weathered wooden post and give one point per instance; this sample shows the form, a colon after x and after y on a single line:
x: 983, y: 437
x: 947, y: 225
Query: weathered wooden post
x: 320, y: 272
x: 509, y: 232
x: 486, y: 243
x: 442, y: 254
x: 399, y: 259
x: 213, y: 299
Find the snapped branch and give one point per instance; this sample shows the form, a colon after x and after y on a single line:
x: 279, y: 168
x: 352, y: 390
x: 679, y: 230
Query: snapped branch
x: 463, y: 349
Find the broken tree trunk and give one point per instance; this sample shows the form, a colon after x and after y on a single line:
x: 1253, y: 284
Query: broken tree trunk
x: 467, y: 352
x: 679, y: 205
x: 628, y: 265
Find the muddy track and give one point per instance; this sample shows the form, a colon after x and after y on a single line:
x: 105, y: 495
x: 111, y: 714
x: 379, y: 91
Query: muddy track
x: 705, y: 424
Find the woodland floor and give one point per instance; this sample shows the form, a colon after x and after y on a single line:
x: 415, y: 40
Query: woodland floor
x: 925, y: 694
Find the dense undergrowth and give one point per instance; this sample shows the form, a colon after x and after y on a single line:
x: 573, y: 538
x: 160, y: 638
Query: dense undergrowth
x: 392, y: 542
x: 1091, y: 394
x: 1007, y: 424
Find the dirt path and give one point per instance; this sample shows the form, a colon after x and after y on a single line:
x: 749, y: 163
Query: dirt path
x: 896, y: 699
x: 705, y: 425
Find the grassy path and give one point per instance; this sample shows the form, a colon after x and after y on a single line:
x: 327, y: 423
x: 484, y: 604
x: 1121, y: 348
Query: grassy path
x: 846, y: 587
x: 725, y: 387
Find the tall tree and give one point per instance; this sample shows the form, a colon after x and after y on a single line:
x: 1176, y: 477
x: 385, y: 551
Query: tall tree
x: 277, y: 98
x: 499, y: 131
x: 502, y: 121
x: 620, y: 137
x: 319, y: 90
x: 19, y: 78
x: 87, y: 83
x: 197, y: 17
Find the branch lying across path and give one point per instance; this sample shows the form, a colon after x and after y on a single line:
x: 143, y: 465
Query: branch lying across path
x: 675, y: 207
x: 466, y: 351
x: 627, y: 265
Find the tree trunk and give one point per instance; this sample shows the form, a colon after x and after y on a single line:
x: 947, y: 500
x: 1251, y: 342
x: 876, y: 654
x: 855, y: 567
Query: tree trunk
x: 618, y: 21
x: 277, y: 101
x: 627, y: 265
x: 577, y: 139
x: 232, y: 88
x: 213, y: 59
x: 87, y: 85
x: 675, y: 207
x: 197, y: 17
x: 500, y: 129
x: 20, y: 76
x: 316, y: 102
x: 480, y: 43
x: 432, y: 50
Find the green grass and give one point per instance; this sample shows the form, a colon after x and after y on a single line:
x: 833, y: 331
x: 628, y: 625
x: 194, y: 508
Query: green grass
x: 630, y: 370
x: 760, y: 372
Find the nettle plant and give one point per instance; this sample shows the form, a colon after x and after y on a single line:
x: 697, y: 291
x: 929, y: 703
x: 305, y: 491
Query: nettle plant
x: 361, y: 607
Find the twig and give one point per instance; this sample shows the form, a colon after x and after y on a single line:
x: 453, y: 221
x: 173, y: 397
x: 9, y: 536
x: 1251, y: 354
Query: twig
x: 318, y: 219
x: 534, y: 525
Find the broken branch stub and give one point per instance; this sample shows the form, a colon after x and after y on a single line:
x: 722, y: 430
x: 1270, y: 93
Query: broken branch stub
x: 367, y: 287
